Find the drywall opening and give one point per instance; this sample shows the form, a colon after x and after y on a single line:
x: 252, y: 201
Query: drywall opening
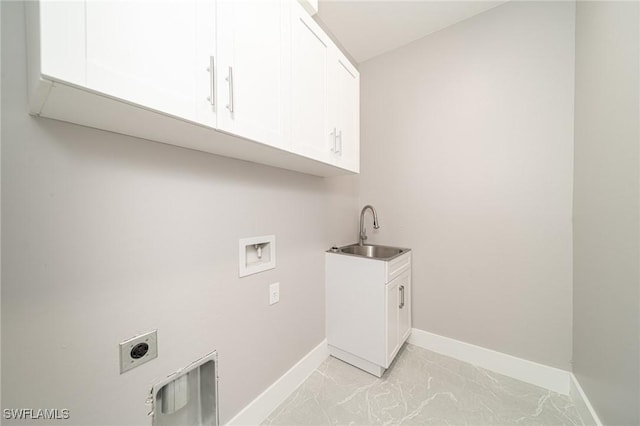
x: 257, y: 254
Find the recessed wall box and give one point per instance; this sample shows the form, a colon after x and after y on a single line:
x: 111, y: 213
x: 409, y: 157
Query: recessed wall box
x: 257, y: 254
x: 188, y: 396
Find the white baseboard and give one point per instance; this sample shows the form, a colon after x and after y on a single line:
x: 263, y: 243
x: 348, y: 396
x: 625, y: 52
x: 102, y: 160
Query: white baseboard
x: 260, y: 408
x: 541, y: 375
x: 528, y: 371
x: 588, y: 414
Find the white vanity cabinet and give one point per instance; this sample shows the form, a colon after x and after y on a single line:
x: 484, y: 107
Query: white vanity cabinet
x: 368, y: 309
x: 210, y: 75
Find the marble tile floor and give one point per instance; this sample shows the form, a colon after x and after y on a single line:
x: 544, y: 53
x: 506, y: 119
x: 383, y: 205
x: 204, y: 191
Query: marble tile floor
x: 420, y: 388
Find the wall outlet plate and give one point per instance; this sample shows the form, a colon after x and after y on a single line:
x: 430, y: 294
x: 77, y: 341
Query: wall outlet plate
x: 274, y: 293
x: 138, y: 350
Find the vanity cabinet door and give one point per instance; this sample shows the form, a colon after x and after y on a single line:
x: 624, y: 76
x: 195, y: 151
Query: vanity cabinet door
x: 398, y: 314
x: 393, y: 301
x: 404, y: 307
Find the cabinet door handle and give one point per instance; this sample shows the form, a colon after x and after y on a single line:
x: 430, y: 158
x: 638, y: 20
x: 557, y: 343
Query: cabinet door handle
x: 230, y: 80
x: 334, y: 138
x: 401, y: 297
x: 339, y: 137
x: 212, y: 82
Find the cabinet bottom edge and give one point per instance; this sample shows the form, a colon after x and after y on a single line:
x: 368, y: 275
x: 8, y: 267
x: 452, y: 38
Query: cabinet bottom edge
x: 356, y: 361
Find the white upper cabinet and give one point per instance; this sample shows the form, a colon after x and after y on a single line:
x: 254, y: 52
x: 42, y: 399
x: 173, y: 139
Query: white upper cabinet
x: 250, y: 57
x: 53, y: 25
x: 310, y: 134
x: 325, y: 91
x: 154, y: 54
x: 63, y: 24
x: 256, y: 80
x: 344, y: 108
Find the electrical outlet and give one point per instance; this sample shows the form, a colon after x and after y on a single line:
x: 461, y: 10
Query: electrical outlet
x: 138, y: 350
x: 274, y: 293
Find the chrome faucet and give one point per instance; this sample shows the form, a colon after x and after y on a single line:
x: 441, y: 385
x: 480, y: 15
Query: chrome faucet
x: 363, y: 231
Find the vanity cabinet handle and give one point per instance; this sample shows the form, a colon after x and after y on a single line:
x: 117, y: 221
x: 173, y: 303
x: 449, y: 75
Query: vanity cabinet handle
x: 401, y: 297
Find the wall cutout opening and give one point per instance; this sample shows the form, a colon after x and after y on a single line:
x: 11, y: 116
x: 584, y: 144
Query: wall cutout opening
x: 188, y: 396
x: 257, y: 254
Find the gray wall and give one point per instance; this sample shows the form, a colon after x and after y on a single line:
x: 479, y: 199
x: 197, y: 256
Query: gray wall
x: 467, y: 156
x: 606, y: 334
x: 106, y: 236
x: 0, y: 211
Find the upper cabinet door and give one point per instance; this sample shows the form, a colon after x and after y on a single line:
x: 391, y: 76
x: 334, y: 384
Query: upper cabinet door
x: 344, y: 101
x: 250, y: 71
x: 310, y: 133
x: 154, y: 54
x: 61, y: 40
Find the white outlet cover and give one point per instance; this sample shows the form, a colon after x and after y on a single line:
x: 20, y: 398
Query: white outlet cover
x: 127, y: 362
x: 274, y: 293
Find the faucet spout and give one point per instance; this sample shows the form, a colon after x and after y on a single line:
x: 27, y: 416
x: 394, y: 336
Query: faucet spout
x: 363, y: 232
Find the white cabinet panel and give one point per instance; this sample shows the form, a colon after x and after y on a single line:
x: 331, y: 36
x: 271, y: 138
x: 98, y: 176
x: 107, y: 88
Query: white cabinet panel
x: 310, y: 132
x: 154, y: 54
x: 392, y: 319
x: 344, y: 106
x: 398, y: 313
x: 324, y: 96
x: 404, y: 308
x: 250, y: 84
x: 62, y: 39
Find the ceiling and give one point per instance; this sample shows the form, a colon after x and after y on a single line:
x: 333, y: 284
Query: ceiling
x: 367, y: 28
